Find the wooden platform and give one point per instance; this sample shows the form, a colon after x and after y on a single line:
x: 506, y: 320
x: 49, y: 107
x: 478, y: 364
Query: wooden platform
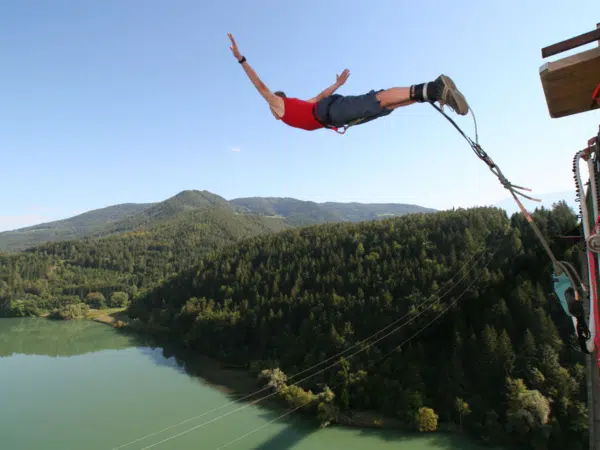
x: 569, y: 82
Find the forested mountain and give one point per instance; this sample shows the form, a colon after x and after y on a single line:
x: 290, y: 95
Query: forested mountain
x: 501, y: 363
x: 174, y: 208
x: 58, y: 274
x: 76, y: 227
x: 134, y: 217
x: 114, y: 220
x: 300, y: 212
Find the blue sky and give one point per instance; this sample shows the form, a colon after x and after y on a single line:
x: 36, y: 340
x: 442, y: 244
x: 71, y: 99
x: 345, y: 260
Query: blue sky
x: 105, y: 102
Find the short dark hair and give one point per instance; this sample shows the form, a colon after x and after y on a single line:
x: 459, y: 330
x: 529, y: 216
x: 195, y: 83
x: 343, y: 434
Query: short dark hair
x: 280, y: 94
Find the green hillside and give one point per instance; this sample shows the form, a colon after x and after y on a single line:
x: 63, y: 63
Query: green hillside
x: 131, y: 216
x: 501, y: 363
x: 75, y: 227
x: 114, y: 220
x: 300, y: 212
x: 57, y: 274
x: 357, y: 212
x: 167, y: 210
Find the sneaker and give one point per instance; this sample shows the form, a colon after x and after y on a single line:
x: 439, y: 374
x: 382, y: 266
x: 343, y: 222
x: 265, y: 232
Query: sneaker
x: 449, y: 95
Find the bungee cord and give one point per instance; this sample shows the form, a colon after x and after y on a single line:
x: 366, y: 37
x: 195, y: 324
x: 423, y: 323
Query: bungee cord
x: 565, y: 285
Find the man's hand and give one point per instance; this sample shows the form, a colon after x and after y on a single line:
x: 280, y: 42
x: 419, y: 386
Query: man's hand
x: 341, y: 79
x: 275, y: 102
x: 234, y: 48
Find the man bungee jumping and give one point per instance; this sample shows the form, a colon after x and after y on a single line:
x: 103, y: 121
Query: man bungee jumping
x: 333, y: 111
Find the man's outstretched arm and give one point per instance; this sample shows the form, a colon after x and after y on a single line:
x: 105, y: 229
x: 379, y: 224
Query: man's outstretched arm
x: 339, y: 80
x: 271, y: 98
x: 257, y: 82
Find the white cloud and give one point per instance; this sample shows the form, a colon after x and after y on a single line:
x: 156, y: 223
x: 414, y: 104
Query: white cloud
x: 236, y: 149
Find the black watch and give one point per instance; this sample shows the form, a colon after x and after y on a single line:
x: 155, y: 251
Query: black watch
x: 243, y: 60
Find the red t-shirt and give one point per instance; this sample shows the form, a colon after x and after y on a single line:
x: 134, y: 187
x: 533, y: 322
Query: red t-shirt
x: 299, y: 114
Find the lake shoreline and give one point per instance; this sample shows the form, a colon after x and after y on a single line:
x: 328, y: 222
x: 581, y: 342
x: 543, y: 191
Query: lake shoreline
x: 239, y: 382
x: 158, y: 385
x: 115, y: 317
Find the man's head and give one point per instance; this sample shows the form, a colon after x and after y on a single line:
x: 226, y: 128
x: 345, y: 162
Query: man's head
x: 280, y: 94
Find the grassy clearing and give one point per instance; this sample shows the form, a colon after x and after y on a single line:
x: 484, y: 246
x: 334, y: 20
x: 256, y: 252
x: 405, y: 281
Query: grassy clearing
x: 115, y: 317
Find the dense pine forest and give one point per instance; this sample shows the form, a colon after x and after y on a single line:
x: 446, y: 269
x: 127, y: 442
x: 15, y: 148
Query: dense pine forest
x: 484, y: 346
x: 106, y: 257
x: 501, y: 363
x: 111, y: 270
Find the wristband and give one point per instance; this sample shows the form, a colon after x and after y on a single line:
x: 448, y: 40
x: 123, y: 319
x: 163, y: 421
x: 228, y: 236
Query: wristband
x: 243, y: 60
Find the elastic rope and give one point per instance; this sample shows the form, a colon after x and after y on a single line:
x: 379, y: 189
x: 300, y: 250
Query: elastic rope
x: 582, y: 329
x: 507, y: 185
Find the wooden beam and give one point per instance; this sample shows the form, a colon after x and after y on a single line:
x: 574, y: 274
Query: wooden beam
x: 571, y: 43
x: 569, y: 83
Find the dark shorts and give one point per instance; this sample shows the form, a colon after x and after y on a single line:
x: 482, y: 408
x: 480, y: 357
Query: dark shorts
x: 339, y: 110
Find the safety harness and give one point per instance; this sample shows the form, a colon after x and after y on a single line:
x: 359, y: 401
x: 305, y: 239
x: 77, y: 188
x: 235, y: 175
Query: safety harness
x: 331, y: 127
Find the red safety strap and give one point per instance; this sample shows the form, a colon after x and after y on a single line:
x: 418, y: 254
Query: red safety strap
x: 336, y: 129
x: 596, y: 96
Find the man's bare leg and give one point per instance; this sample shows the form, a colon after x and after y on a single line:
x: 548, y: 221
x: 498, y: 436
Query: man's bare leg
x: 394, y: 97
x: 441, y: 90
x: 398, y: 105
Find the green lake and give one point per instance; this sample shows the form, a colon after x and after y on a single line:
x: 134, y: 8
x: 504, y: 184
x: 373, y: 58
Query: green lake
x: 82, y: 385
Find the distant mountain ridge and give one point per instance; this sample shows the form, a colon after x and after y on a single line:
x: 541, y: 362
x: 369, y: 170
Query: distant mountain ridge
x: 127, y: 217
x: 76, y: 227
x: 302, y: 212
x: 166, y: 210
